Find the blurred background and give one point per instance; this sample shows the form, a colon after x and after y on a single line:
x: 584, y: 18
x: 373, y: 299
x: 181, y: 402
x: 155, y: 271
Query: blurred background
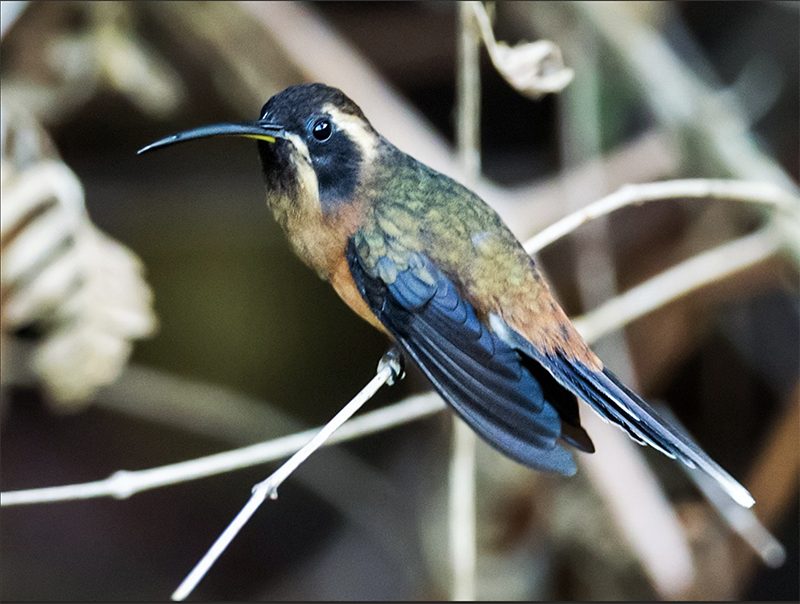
x: 152, y: 311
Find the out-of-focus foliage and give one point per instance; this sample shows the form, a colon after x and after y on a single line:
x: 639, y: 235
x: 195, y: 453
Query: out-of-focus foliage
x: 75, y: 291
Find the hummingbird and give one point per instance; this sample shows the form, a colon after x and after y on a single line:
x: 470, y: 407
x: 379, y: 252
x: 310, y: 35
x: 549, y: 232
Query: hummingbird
x: 426, y: 261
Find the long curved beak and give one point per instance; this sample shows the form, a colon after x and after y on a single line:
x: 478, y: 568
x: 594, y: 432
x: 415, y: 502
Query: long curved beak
x: 262, y: 131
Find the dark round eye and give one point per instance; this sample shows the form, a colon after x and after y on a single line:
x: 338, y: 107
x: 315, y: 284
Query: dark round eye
x: 322, y: 129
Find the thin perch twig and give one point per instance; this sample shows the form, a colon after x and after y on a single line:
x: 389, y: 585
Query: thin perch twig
x: 388, y: 369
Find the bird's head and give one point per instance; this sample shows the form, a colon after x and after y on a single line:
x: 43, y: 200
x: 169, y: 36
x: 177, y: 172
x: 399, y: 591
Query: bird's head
x: 313, y: 140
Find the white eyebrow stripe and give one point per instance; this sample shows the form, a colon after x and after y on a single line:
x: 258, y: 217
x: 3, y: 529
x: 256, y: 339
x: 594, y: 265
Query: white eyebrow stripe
x: 356, y: 131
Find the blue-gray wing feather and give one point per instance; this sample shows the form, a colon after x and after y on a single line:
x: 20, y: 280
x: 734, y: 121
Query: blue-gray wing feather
x: 477, y: 373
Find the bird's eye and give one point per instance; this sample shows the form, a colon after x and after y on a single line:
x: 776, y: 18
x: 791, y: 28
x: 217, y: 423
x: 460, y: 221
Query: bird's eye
x: 322, y: 130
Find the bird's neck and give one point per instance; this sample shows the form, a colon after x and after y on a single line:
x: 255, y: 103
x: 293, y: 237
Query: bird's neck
x: 318, y: 233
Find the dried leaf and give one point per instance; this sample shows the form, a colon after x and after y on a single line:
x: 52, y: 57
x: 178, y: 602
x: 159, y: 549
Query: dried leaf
x: 533, y: 68
x: 82, y: 289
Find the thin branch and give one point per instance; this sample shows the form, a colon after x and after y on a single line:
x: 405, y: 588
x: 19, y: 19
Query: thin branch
x: 700, y: 270
x: 220, y: 545
x: 388, y: 369
x: 734, y: 190
x: 462, y: 491
x: 123, y: 484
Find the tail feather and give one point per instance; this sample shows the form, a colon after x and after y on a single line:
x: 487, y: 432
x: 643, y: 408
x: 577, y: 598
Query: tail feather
x: 614, y: 401
x: 671, y: 439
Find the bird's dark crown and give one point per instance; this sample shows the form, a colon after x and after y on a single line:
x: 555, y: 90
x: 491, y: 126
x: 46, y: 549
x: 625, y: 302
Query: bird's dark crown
x: 293, y: 107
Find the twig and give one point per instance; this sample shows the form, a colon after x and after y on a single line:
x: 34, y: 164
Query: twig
x: 462, y: 476
x: 215, y: 551
x: 388, y: 370
x: 700, y: 270
x: 123, y: 484
x: 462, y: 513
x: 734, y: 190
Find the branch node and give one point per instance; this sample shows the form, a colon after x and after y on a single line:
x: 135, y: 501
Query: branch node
x: 121, y: 484
x: 393, y: 361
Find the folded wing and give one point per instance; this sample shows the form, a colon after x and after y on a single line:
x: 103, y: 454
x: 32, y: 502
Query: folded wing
x: 478, y: 374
